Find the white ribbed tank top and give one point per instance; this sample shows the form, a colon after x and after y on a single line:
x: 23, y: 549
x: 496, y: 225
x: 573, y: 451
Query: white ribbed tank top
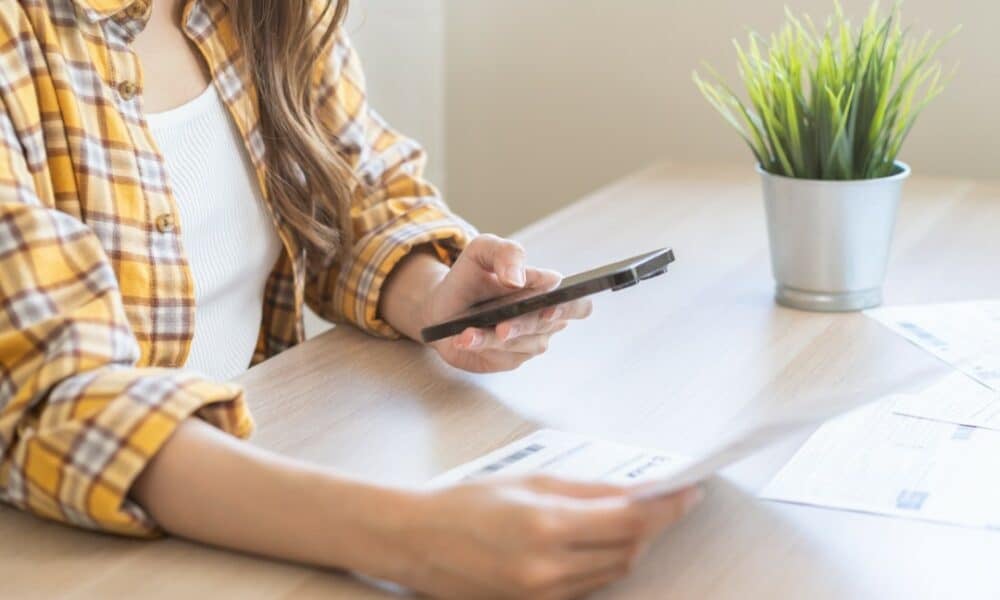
x: 227, y: 234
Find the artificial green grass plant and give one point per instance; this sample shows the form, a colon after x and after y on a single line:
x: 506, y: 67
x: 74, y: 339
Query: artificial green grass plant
x: 832, y: 104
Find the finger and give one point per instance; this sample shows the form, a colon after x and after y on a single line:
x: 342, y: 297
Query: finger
x: 489, y: 354
x: 543, y: 280
x: 497, y: 255
x: 597, y: 522
x: 584, y: 561
x: 577, y: 309
x: 575, y: 489
x: 497, y: 361
x: 529, y: 344
x: 542, y: 321
x: 473, y: 338
x: 608, y: 522
x: 532, y: 324
x: 641, y: 551
x: 587, y: 514
x: 629, y: 522
x: 479, y: 340
x: 548, y: 328
x: 663, y: 512
x: 582, y: 586
x: 554, y: 327
x: 514, y: 328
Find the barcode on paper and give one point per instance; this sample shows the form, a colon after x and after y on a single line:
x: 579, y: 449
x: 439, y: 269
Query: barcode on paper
x: 509, y: 460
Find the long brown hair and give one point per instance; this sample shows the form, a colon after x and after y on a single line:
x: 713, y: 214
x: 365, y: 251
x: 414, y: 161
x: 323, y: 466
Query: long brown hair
x: 308, y: 181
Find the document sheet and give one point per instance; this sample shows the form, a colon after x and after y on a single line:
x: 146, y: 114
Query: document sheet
x: 568, y: 456
x: 651, y: 473
x: 954, y: 399
x: 963, y: 334
x: 876, y: 460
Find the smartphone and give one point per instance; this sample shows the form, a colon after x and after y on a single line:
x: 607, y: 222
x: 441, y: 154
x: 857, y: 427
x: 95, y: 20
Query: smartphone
x: 616, y: 276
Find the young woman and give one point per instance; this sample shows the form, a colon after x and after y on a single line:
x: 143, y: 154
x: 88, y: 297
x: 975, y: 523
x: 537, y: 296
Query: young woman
x: 177, y: 178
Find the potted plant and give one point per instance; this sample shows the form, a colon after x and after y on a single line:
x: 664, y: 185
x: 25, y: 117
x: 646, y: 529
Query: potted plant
x: 828, y: 112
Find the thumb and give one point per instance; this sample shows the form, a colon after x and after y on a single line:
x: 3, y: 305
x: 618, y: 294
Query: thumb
x: 503, y: 258
x: 575, y: 489
x: 542, y: 279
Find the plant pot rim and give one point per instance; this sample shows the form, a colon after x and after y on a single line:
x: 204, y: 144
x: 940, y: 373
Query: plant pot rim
x: 904, y: 172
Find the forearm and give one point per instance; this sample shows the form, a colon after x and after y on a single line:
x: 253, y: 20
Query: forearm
x: 207, y: 486
x: 405, y: 291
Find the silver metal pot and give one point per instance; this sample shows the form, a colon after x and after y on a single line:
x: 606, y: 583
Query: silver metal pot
x: 830, y: 240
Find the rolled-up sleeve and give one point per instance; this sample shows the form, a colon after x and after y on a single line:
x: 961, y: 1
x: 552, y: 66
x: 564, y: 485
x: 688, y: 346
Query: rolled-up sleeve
x: 78, y: 420
x: 394, y: 208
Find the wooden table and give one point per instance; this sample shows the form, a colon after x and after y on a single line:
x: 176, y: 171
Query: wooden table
x: 662, y: 365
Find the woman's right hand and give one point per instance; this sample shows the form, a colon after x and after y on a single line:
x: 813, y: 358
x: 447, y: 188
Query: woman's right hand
x: 525, y: 538
x: 531, y: 538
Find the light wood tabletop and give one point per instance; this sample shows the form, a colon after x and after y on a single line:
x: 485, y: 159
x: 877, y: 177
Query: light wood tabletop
x: 665, y: 365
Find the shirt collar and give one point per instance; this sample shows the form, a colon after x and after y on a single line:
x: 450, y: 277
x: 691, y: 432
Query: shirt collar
x: 98, y: 10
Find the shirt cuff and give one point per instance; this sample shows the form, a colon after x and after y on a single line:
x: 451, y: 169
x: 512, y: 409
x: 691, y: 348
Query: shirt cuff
x: 77, y: 460
x: 373, y: 258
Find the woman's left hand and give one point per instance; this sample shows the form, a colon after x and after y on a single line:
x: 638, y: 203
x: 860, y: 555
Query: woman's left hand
x: 489, y: 267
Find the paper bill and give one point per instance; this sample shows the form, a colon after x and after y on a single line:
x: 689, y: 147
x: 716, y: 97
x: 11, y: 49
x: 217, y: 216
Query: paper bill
x: 965, y: 335
x: 954, y: 399
x: 568, y: 456
x: 652, y: 473
x: 875, y: 460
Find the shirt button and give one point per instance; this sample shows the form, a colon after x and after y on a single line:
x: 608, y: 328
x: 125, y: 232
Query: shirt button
x: 137, y: 9
x: 128, y: 89
x: 165, y: 223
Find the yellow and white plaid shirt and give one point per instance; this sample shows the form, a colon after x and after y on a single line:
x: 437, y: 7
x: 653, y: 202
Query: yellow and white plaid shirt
x: 96, y: 296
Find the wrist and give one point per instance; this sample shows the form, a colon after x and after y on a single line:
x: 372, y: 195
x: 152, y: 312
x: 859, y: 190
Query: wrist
x: 367, y: 528
x: 414, y: 534
x: 407, y: 292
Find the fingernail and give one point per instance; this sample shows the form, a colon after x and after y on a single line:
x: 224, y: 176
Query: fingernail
x: 477, y: 340
x: 555, y: 314
x: 513, y: 331
x: 515, y: 275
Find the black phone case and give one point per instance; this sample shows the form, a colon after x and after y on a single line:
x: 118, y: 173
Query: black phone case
x: 640, y: 268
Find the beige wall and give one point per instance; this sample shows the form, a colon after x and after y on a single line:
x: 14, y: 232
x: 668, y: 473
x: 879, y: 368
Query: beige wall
x: 548, y: 99
x: 401, y: 43
x: 525, y: 105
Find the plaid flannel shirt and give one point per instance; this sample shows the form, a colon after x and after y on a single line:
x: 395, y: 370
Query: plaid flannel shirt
x: 96, y: 296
